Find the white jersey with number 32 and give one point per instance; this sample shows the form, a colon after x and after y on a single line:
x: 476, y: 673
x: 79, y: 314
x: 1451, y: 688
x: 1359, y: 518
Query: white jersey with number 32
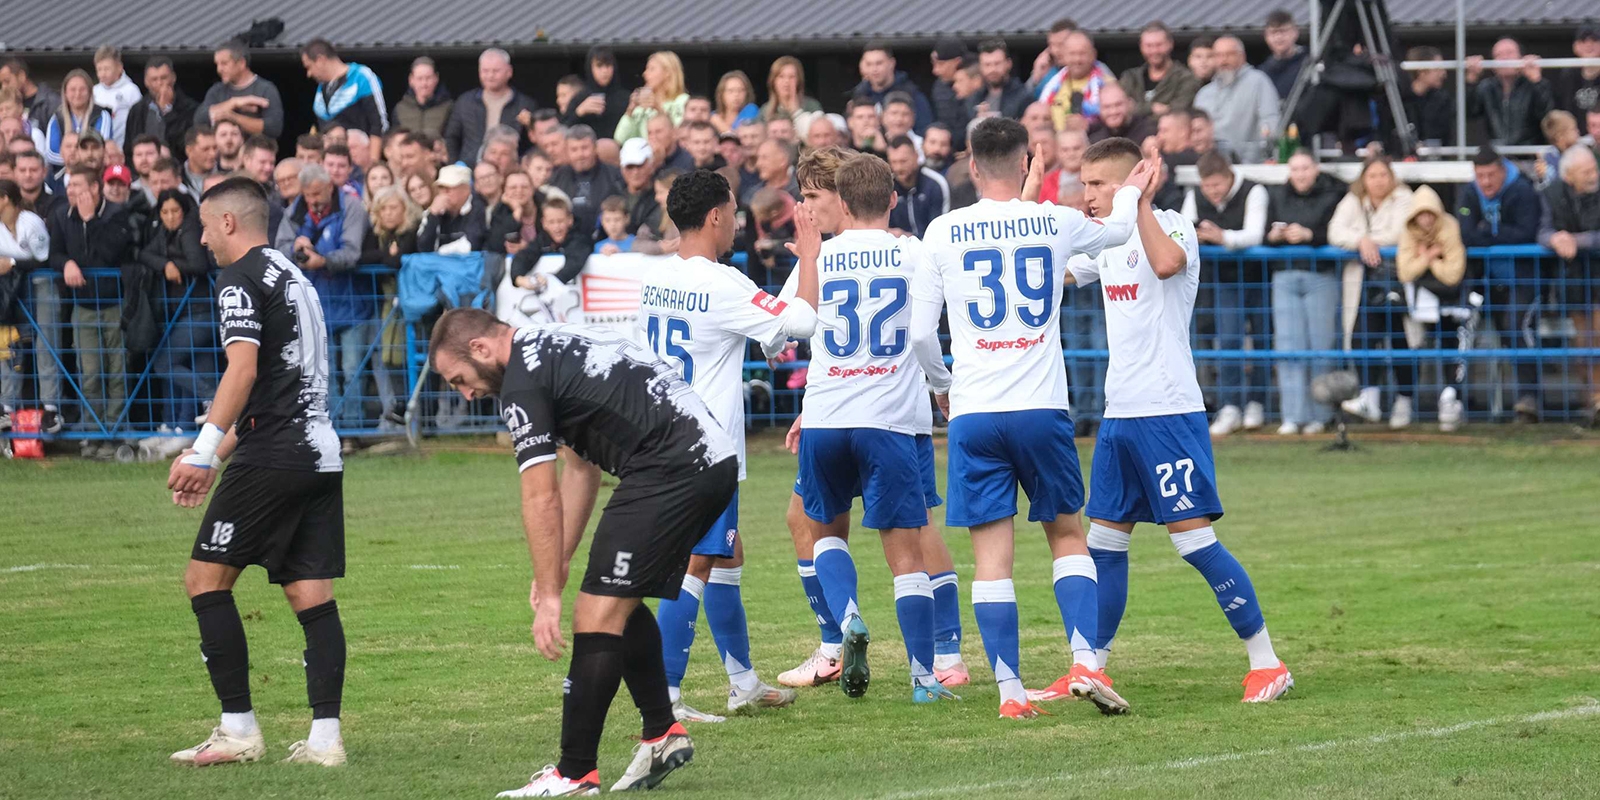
x: 998, y: 268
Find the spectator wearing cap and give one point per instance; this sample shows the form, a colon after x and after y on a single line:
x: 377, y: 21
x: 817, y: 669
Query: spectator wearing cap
x: 786, y: 94
x: 638, y: 177
x: 949, y: 109
x: 1241, y: 101
x: 1573, y: 226
x: 454, y: 222
x: 117, y: 183
x: 1002, y: 93
x: 734, y: 101
x: 323, y: 231
x: 663, y: 138
x: 494, y: 102
x: 38, y: 99
x: 426, y: 105
x: 1159, y: 84
x: 1577, y: 90
x: 115, y: 92
x: 164, y: 111
x: 662, y: 93
x: 1074, y: 90
x: 348, y: 95
x: 90, y: 151
x: 85, y: 233
x: 200, y: 157
x: 1513, y: 101
x: 1282, y: 36
x: 585, y: 179
x: 924, y: 194
x: 76, y: 114
x: 1118, y: 118
x: 241, y: 95
x: 879, y: 78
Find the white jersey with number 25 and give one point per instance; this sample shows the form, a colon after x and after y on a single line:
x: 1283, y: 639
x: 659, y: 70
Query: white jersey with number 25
x: 998, y: 268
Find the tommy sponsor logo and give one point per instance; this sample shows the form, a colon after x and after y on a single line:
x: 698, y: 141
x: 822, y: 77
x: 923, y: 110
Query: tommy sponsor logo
x: 1021, y: 343
x: 768, y: 303
x: 868, y: 371
x: 1122, y: 291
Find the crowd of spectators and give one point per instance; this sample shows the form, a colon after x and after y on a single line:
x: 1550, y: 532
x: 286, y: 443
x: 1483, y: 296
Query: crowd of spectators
x: 105, y: 173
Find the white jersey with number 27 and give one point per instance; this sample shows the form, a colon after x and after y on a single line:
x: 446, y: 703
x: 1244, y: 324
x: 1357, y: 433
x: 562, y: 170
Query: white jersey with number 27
x: 696, y: 314
x: 998, y: 268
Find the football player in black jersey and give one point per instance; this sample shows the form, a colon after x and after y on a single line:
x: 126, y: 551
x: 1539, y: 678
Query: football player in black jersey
x: 619, y: 407
x: 280, y: 504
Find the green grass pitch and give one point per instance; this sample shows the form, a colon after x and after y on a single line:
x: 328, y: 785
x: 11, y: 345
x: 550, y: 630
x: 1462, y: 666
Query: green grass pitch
x: 1439, y: 604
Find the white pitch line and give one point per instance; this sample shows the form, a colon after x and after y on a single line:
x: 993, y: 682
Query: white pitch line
x: 1590, y: 708
x: 37, y: 567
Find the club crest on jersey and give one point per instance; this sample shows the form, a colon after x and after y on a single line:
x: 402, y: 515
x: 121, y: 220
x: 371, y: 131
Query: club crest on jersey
x: 234, y: 297
x: 768, y: 303
x: 514, y: 416
x: 1133, y: 259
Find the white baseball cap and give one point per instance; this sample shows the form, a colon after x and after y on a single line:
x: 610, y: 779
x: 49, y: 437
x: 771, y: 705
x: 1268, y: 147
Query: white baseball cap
x: 635, y: 151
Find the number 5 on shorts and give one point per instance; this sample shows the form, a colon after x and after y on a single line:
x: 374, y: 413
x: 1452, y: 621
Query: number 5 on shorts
x: 620, y: 568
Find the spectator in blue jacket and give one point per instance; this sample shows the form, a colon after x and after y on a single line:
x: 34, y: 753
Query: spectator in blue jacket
x: 923, y: 193
x: 879, y: 78
x: 323, y: 230
x: 1501, y: 207
x: 348, y: 96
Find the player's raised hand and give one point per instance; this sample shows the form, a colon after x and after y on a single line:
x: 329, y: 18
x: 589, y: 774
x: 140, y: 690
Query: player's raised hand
x: 807, y: 244
x: 1035, y: 180
x: 547, y: 626
x: 1157, y: 180
x: 1142, y: 175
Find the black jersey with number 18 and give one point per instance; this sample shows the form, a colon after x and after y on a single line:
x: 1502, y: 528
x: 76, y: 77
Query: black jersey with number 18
x: 263, y: 298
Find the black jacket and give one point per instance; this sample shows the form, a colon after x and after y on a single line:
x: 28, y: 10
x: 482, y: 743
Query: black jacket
x: 902, y: 83
x: 1313, y: 209
x: 463, y: 134
x: 1513, y: 216
x: 1577, y: 214
x: 437, y: 230
x: 1432, y: 115
x: 576, y: 249
x: 169, y: 127
x: 99, y: 242
x: 501, y: 223
x: 1283, y: 71
x: 616, y: 103
x: 375, y: 249
x: 1512, y: 119
x: 182, y: 247
x: 588, y: 190
x: 1014, y: 99
x: 953, y: 112
x: 1138, y: 128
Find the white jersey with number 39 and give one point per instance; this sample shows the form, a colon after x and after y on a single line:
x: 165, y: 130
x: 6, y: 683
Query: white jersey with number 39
x: 696, y: 315
x: 1147, y: 325
x: 997, y: 267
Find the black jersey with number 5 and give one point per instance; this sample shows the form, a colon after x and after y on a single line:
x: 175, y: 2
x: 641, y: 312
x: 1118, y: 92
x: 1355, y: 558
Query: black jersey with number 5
x: 610, y: 399
x: 263, y: 298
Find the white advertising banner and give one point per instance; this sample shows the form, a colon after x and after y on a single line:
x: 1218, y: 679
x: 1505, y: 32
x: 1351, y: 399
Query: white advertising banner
x: 606, y: 293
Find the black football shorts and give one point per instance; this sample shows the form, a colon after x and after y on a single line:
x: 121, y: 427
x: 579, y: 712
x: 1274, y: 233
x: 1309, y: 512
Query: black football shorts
x: 289, y: 521
x: 641, y: 546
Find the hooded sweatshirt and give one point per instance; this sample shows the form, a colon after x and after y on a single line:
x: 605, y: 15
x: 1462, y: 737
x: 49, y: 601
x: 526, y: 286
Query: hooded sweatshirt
x: 1512, y: 216
x: 1441, y: 274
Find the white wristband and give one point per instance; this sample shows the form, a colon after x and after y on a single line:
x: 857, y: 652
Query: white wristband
x: 205, y: 447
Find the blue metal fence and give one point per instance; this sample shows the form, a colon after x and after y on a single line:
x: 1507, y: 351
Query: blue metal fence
x: 1524, y: 327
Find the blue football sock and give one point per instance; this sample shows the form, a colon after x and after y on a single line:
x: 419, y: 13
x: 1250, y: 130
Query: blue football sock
x: 1076, y: 596
x: 819, y: 603
x: 946, y: 614
x: 913, y: 604
x: 1228, y: 581
x: 725, y: 615
x: 1109, y: 549
x: 836, y: 571
x: 994, y: 604
x: 676, y: 619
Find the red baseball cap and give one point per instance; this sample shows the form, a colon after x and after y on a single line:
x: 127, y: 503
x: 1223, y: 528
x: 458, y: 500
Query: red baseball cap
x: 118, y: 172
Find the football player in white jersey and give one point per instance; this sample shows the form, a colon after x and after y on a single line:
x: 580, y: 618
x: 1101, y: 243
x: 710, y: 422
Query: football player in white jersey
x: 865, y: 402
x: 816, y: 174
x: 696, y: 314
x: 1152, y: 460
x: 997, y: 268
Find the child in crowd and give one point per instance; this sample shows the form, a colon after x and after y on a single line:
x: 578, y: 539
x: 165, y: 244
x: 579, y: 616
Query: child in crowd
x: 614, y: 220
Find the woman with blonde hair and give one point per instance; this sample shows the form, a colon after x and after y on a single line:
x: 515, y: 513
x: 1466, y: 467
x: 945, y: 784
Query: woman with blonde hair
x: 76, y: 114
x: 786, y: 94
x: 662, y: 93
x: 393, y: 235
x: 1372, y: 216
x: 734, y: 102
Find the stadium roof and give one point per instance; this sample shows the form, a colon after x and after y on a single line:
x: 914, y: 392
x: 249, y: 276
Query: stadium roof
x: 67, y: 26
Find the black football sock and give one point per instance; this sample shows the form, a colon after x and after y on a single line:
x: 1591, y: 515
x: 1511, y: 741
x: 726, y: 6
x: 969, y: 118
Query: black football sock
x: 325, y: 654
x: 592, y: 681
x: 646, y: 672
x: 226, y: 653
